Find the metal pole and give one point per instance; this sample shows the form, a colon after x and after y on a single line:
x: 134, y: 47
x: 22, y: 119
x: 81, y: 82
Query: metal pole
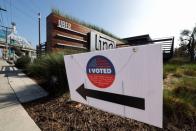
x: 39, y: 18
x: 6, y: 34
x: 39, y: 32
x: 6, y: 41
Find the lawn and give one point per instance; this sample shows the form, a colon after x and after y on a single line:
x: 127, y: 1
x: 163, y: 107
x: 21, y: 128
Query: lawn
x: 180, y: 93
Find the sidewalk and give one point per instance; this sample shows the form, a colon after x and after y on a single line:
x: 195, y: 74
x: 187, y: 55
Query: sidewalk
x: 16, y: 88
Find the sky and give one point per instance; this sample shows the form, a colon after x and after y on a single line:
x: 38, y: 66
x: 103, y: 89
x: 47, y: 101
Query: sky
x: 123, y: 18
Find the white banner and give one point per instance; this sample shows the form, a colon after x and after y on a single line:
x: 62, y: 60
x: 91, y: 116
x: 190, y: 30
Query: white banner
x: 125, y: 81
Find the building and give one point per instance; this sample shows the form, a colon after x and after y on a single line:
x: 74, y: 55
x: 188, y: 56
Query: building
x: 65, y: 32
x: 10, y: 40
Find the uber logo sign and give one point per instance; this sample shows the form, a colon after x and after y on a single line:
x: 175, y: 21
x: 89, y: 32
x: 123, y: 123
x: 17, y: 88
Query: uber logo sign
x: 64, y: 24
x: 101, y: 42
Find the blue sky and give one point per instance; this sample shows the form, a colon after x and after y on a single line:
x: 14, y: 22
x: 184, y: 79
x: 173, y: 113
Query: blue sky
x: 123, y: 18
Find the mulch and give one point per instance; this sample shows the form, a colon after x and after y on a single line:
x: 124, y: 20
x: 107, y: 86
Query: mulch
x: 60, y: 114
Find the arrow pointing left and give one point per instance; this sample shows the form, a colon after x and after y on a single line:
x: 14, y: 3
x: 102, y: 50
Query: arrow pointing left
x: 130, y: 101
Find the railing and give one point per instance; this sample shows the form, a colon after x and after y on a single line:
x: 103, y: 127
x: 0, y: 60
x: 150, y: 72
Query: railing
x: 167, y: 47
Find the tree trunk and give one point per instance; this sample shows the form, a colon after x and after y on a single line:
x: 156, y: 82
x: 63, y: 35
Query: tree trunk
x: 192, y: 49
x: 192, y: 54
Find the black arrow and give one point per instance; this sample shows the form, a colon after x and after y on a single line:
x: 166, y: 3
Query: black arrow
x: 111, y: 97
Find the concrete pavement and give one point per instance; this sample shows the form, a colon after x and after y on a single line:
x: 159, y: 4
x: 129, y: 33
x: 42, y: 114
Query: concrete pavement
x: 25, y: 88
x: 16, y: 88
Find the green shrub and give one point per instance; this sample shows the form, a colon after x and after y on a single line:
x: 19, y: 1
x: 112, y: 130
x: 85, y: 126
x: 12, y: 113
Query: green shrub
x: 23, y: 62
x: 51, y: 70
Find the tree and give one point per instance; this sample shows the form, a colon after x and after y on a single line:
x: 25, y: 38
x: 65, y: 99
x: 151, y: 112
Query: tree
x: 181, y: 52
x: 187, y: 39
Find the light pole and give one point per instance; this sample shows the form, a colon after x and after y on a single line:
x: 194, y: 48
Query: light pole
x: 39, y: 33
x: 39, y: 18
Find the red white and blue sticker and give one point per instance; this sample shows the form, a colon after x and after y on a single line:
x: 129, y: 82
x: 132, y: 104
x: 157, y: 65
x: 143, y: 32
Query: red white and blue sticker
x: 100, y: 71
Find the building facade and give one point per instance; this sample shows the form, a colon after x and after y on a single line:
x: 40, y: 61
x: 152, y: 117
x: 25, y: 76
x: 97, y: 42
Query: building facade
x: 10, y: 41
x: 64, y: 33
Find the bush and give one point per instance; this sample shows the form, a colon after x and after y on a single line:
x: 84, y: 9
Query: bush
x: 23, y: 62
x: 51, y: 70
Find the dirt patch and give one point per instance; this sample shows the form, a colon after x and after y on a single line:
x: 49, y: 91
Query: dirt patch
x: 169, y: 81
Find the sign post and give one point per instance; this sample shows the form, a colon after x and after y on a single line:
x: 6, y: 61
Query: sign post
x: 125, y: 81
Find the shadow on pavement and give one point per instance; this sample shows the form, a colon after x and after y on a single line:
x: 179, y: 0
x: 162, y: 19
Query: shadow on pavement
x: 11, y: 71
x: 27, y: 94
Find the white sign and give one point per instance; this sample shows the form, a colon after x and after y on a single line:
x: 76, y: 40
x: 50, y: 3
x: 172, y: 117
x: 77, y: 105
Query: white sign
x: 101, y: 42
x: 125, y: 81
x: 64, y: 24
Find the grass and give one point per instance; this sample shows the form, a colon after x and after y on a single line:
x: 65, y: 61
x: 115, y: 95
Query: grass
x: 189, y: 69
x: 177, y: 111
x: 185, y: 89
x: 179, y: 67
x: 180, y: 92
x: 169, y: 68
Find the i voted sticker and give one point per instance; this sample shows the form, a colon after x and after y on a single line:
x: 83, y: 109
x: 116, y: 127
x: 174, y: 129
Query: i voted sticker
x: 100, y: 71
